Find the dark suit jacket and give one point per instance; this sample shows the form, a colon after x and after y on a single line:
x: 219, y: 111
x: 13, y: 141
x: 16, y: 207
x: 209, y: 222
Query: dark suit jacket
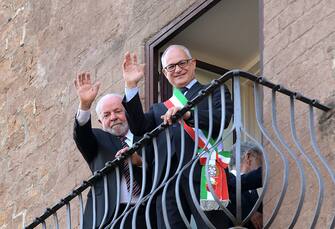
x: 140, y: 123
x: 249, y: 183
x: 99, y: 147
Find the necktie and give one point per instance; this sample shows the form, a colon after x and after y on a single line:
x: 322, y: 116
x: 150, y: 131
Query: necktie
x: 183, y: 90
x: 125, y: 171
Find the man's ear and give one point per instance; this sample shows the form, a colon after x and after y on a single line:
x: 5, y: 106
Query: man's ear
x: 247, y: 157
x: 194, y: 63
x: 164, y: 72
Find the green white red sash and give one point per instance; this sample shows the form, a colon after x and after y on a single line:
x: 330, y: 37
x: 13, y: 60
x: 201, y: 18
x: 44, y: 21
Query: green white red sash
x: 217, y: 163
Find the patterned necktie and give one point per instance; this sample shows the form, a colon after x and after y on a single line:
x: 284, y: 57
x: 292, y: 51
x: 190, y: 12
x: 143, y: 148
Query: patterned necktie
x: 125, y: 171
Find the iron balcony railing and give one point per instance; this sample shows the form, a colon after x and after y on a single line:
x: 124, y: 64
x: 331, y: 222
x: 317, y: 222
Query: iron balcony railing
x: 276, y: 145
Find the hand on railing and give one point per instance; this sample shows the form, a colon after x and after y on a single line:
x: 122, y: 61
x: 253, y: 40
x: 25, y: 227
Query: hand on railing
x: 135, y: 158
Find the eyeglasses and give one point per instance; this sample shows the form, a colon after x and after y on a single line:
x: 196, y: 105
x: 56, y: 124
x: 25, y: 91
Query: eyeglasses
x: 181, y: 64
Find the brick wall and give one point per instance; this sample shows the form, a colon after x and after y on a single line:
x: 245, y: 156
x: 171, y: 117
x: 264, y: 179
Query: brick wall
x: 299, y: 43
x: 43, y: 44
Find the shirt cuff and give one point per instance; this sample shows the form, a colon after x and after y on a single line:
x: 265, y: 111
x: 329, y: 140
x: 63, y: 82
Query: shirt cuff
x: 83, y: 116
x: 130, y: 93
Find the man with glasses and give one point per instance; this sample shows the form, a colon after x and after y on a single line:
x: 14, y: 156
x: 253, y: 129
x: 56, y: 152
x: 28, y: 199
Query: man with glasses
x: 179, y: 69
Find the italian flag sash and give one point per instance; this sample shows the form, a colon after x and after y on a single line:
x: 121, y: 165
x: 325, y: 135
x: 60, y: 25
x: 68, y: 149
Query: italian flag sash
x: 218, y: 161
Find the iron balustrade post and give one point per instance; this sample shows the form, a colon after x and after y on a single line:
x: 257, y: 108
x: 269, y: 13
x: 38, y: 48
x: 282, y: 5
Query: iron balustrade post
x: 118, y: 195
x: 94, y: 207
x: 120, y: 217
x: 155, y: 180
x: 168, y: 165
x: 293, y: 156
x: 179, y: 173
x: 164, y: 208
x: 177, y: 189
x: 315, y: 145
x: 106, y: 201
x: 265, y: 133
x: 238, y: 124
x: 44, y: 226
x: 56, y: 220
x: 81, y: 206
x: 154, y: 184
x: 127, y: 211
x: 144, y: 175
x: 309, y: 160
x: 68, y: 215
x: 320, y: 156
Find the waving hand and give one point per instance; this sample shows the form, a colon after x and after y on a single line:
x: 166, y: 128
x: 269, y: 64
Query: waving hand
x: 86, y: 91
x: 132, y: 71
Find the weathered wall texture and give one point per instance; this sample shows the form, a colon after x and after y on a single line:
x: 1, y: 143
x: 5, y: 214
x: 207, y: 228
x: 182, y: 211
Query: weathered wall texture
x: 299, y: 44
x: 43, y: 44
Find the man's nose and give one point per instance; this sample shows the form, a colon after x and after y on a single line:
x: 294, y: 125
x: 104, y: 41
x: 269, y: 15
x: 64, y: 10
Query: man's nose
x: 178, y: 69
x: 113, y: 117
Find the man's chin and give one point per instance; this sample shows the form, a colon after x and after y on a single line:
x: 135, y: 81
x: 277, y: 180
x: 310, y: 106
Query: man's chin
x: 116, y: 130
x: 180, y: 82
x: 111, y: 131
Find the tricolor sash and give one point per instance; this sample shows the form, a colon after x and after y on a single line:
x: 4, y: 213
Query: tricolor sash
x: 218, y: 161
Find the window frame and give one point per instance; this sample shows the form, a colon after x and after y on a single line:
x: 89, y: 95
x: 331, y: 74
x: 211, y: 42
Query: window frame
x: 152, y: 69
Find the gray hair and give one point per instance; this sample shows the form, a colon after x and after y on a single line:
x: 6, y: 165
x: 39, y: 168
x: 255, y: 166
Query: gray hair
x: 186, y: 50
x: 101, y: 101
x: 245, y: 148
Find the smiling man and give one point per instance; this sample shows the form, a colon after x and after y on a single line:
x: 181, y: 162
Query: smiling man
x: 99, y: 146
x: 179, y: 69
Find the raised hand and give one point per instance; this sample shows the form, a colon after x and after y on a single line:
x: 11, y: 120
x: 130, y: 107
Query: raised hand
x: 132, y: 71
x: 86, y: 91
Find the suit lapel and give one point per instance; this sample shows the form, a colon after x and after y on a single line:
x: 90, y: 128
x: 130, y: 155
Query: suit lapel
x: 136, y: 139
x: 115, y: 141
x: 193, y: 91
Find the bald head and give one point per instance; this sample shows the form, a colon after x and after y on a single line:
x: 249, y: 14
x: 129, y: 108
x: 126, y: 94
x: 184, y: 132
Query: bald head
x: 171, y: 47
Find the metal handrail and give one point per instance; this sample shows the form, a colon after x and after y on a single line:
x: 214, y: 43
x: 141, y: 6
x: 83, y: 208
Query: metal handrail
x: 215, y: 84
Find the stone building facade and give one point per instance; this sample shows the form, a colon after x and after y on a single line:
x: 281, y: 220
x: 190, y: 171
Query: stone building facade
x: 44, y: 44
x: 298, y: 53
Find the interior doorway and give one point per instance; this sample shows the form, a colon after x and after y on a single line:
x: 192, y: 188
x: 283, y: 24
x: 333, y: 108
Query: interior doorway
x: 221, y: 35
